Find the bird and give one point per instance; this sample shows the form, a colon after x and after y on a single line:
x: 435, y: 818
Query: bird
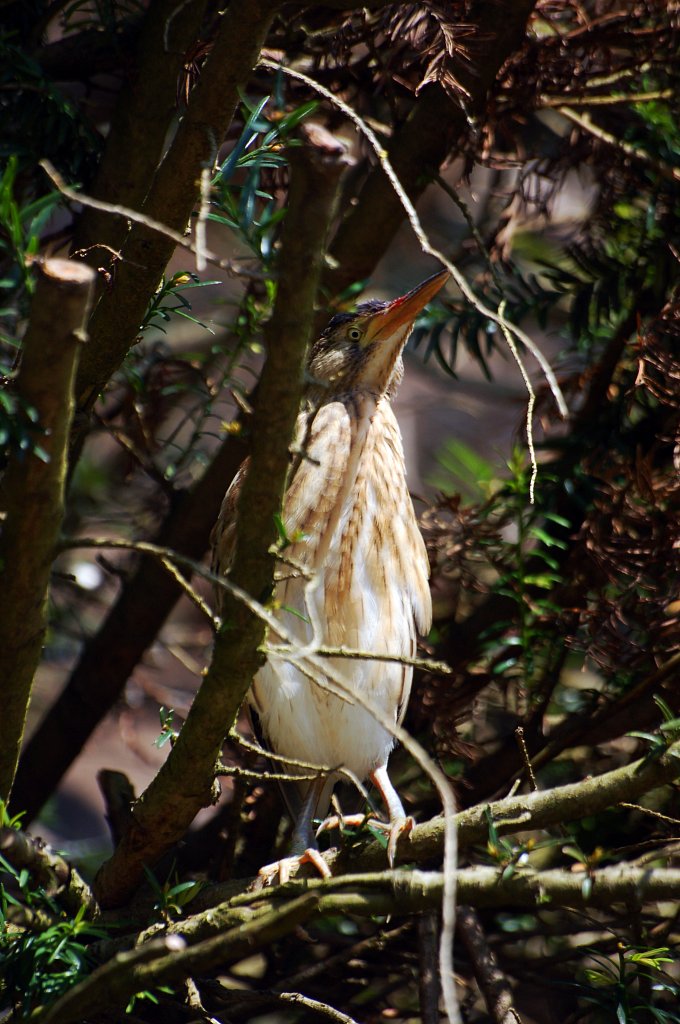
x: 355, y: 573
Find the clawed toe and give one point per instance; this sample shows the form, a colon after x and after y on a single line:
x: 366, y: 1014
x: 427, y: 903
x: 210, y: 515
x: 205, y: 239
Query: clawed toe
x: 341, y: 821
x: 400, y: 827
x: 280, y: 870
x: 394, y: 829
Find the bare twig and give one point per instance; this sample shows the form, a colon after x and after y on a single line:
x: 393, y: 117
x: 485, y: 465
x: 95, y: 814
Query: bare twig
x: 171, y: 559
x: 427, y: 247
x: 201, y: 253
x: 613, y: 99
x: 315, y: 1006
x: 585, y: 122
x: 519, y: 733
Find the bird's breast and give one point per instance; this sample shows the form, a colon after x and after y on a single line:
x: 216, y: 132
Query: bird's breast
x: 350, y: 503
x: 365, y: 587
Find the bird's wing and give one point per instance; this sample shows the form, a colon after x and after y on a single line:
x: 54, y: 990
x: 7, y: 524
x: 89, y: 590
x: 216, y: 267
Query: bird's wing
x: 322, y: 442
x: 223, y: 536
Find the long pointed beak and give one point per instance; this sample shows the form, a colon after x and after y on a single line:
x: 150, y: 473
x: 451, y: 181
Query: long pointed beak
x: 405, y: 309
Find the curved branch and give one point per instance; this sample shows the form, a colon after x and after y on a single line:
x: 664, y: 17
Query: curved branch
x: 111, y: 986
x: 185, y: 782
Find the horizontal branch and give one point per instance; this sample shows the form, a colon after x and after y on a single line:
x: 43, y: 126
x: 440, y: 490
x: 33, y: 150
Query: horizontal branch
x: 525, y: 813
x: 409, y: 892
x: 235, y: 931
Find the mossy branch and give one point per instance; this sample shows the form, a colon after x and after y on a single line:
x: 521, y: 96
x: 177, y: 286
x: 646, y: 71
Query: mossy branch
x: 33, y: 490
x: 168, y: 959
x: 381, y: 893
x: 49, y: 870
x: 542, y: 809
x: 185, y: 782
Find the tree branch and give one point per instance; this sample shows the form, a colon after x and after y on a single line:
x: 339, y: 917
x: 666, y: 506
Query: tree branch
x: 112, y: 985
x: 524, y: 813
x: 48, y: 869
x: 174, y: 191
x: 33, y: 490
x: 109, y: 657
x: 184, y: 783
x: 492, y: 982
x: 420, y: 146
x: 144, y: 111
x: 382, y: 893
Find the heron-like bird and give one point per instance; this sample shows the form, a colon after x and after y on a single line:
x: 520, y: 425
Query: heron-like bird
x: 354, y: 531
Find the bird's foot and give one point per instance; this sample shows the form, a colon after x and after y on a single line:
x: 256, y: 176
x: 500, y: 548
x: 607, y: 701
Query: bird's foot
x: 341, y: 821
x: 394, y: 830
x: 280, y: 871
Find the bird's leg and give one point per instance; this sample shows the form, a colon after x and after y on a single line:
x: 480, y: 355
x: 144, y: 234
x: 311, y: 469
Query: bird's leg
x: 400, y: 824
x: 303, y: 843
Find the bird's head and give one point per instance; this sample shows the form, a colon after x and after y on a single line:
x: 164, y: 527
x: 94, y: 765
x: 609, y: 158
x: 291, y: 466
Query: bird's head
x: 361, y: 351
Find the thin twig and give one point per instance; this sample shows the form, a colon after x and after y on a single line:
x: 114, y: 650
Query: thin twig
x: 425, y: 243
x: 605, y: 101
x: 230, y: 266
x: 651, y: 812
x: 167, y: 556
x: 297, y: 999
x: 192, y: 594
x: 583, y: 121
x: 354, y: 653
x: 519, y: 733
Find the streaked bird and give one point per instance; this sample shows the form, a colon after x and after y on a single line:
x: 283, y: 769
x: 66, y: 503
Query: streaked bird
x: 364, y: 584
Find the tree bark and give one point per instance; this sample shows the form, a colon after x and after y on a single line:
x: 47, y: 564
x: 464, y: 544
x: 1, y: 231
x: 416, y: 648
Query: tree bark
x: 144, y: 112
x: 33, y: 491
x: 110, y: 656
x: 184, y: 783
x: 173, y: 194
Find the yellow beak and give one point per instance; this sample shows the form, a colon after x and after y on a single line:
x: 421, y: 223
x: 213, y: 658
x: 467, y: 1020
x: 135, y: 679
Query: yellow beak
x: 404, y: 310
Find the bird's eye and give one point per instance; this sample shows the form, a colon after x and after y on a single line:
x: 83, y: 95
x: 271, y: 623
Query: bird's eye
x: 354, y: 334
